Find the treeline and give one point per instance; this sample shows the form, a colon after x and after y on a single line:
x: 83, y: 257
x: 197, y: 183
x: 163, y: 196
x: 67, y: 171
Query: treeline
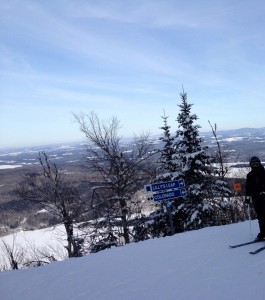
x: 111, y: 212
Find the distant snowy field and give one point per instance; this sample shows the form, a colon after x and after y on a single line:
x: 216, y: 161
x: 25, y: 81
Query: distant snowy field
x: 5, y: 167
x: 195, y: 265
x: 233, y: 171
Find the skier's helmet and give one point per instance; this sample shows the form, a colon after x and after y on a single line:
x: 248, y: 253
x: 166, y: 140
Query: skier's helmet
x: 254, y: 162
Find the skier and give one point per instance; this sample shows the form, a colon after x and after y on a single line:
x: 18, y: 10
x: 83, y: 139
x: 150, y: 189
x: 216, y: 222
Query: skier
x: 255, y: 191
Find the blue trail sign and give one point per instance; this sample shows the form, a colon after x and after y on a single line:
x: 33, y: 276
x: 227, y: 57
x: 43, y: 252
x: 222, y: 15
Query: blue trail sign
x: 169, y: 195
x: 168, y: 185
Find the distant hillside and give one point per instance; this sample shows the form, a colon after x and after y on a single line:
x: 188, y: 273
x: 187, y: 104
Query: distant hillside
x: 239, y: 145
x: 244, y: 142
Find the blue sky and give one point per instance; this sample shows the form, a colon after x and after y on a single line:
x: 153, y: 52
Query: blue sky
x: 128, y: 59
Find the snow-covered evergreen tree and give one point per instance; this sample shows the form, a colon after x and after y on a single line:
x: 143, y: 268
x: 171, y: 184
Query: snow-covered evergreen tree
x: 193, y: 165
x: 191, y: 156
x: 185, y: 157
x: 159, y: 224
x: 165, y: 162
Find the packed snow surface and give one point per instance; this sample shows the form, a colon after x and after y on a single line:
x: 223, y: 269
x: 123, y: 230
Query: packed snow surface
x: 192, y: 265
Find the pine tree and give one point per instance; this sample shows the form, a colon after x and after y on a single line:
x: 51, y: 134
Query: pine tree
x: 159, y: 224
x: 185, y: 157
x: 193, y: 161
x: 193, y: 165
x: 166, y: 163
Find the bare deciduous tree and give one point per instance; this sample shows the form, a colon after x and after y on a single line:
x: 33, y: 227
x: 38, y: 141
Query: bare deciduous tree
x: 220, y: 155
x: 121, y: 168
x: 57, y: 196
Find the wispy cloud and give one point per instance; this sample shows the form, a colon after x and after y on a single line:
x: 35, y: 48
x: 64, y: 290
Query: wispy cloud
x: 149, y: 13
x: 125, y: 56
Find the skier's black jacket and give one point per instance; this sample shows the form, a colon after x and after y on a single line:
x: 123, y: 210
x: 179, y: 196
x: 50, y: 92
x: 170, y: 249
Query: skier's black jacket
x: 255, y: 187
x: 255, y: 183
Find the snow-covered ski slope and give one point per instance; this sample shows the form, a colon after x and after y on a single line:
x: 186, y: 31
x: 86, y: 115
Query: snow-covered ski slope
x: 193, y: 265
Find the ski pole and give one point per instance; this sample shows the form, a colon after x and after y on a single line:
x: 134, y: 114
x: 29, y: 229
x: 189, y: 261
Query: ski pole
x: 249, y: 219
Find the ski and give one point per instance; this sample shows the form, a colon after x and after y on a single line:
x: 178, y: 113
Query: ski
x: 247, y: 243
x: 258, y: 250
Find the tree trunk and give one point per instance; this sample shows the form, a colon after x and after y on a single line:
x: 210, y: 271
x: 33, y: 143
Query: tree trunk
x: 124, y: 212
x: 72, y: 247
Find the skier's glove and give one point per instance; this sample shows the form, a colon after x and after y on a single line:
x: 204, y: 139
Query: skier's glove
x: 247, y: 200
x: 262, y: 196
